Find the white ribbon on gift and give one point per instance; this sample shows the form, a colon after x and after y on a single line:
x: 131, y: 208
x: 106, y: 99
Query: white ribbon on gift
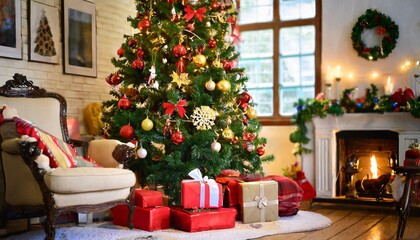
x: 261, y: 202
x: 213, y: 188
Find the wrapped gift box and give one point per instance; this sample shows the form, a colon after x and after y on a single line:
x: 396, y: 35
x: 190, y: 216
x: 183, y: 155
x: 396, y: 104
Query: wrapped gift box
x: 203, y: 219
x: 259, y: 201
x: 199, y: 194
x: 148, y: 219
x: 147, y: 198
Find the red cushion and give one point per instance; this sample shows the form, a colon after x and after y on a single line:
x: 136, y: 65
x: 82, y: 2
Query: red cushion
x: 56, y: 150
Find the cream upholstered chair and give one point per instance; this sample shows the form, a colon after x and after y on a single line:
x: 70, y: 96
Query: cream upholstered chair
x: 30, y: 191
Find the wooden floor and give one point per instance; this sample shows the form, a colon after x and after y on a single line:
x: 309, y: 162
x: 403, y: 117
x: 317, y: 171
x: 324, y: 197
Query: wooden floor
x: 358, y: 222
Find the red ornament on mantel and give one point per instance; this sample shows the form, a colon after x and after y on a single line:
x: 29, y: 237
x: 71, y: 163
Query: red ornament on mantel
x: 124, y: 103
x: 177, y: 137
x: 127, y: 131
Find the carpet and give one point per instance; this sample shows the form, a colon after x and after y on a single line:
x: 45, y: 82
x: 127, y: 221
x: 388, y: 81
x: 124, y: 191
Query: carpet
x: 301, y: 222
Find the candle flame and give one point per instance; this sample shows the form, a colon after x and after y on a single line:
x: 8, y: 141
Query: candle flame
x: 373, y: 167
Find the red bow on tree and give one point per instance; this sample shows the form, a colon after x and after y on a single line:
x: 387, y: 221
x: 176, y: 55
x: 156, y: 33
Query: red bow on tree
x: 170, y: 108
x: 190, y: 13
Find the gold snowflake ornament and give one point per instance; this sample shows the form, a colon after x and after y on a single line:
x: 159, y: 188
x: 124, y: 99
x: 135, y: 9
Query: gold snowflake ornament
x: 203, y: 117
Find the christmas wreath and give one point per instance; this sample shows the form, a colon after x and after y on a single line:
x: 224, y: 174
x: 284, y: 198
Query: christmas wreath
x: 384, y: 27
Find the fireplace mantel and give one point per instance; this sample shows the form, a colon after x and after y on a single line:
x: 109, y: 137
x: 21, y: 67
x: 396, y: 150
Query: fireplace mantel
x: 320, y: 166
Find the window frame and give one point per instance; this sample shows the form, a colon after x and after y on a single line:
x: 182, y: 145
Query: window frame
x: 275, y: 26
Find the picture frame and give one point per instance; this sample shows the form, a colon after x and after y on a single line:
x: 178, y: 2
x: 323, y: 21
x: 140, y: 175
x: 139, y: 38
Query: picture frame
x: 44, y: 34
x: 79, y: 38
x: 11, y: 29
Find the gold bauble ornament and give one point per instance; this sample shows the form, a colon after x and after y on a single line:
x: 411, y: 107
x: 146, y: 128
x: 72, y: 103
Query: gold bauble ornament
x: 228, y: 134
x: 147, y: 124
x: 224, y: 86
x: 210, y: 85
x: 200, y: 60
x: 217, y: 64
x: 251, y: 112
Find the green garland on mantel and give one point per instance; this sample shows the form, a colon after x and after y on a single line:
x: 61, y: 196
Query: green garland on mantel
x: 384, y: 27
x: 399, y: 101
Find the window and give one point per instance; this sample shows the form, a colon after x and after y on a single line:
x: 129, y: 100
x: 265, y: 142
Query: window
x: 281, y: 51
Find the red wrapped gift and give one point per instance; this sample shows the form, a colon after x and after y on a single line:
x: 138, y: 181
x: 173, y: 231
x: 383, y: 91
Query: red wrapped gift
x: 148, y: 219
x: 200, y: 192
x: 205, y: 219
x: 147, y: 198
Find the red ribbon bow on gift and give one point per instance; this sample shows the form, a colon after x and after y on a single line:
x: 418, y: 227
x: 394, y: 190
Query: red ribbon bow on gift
x: 170, y: 108
x: 190, y: 13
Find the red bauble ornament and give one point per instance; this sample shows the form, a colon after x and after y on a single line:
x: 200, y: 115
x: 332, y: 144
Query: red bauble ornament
x: 181, y: 66
x: 140, y: 53
x: 108, y: 79
x: 215, y: 5
x: 120, y: 52
x: 127, y: 131
x: 144, y: 24
x: 116, y: 79
x: 227, y: 65
x: 212, y: 43
x: 132, y: 42
x: 245, y: 97
x: 260, y: 151
x: 137, y: 64
x: 177, y: 137
x: 190, y: 27
x: 179, y: 50
x: 124, y: 103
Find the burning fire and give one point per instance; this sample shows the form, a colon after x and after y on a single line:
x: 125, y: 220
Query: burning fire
x: 374, y: 167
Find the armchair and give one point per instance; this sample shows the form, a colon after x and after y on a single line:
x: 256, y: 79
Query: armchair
x: 26, y: 190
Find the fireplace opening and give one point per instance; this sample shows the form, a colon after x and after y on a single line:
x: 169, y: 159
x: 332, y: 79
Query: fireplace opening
x: 364, y: 160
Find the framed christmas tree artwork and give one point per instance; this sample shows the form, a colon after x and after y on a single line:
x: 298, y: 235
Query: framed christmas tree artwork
x: 44, y: 35
x: 10, y: 29
x: 79, y: 37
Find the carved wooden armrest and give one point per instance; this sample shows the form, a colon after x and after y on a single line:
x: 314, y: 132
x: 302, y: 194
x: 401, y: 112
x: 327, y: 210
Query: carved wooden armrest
x: 29, y: 151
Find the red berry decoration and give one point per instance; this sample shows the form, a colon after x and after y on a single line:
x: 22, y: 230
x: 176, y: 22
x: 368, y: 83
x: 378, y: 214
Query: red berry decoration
x: 179, y: 50
x: 132, y: 43
x: 124, y: 103
x: 212, y: 43
x: 144, y: 24
x: 190, y: 27
x: 137, y: 64
x: 177, y: 137
x: 140, y: 53
x: 127, y: 131
x: 260, y: 151
x: 120, y: 52
x: 381, y: 30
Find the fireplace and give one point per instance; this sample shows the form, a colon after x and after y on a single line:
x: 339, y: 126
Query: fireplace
x: 322, y: 166
x: 364, y: 160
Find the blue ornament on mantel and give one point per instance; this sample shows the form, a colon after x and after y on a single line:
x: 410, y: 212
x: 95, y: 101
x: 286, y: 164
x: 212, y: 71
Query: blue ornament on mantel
x: 394, y: 105
x: 376, y: 100
x: 359, y: 105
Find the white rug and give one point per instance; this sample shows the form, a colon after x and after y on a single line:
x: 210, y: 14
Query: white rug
x: 303, y: 221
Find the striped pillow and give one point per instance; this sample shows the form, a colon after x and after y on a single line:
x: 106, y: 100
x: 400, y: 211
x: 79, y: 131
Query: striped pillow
x: 59, y: 152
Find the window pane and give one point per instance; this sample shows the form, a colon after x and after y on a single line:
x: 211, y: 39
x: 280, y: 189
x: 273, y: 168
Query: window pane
x: 296, y: 9
x: 308, y: 70
x: 256, y: 11
x: 289, y: 96
x: 290, y: 71
x: 297, y: 40
x: 256, y: 44
x: 263, y: 99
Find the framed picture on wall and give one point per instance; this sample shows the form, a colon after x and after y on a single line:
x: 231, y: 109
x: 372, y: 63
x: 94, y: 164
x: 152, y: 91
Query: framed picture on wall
x: 43, y: 33
x: 79, y: 37
x: 10, y: 29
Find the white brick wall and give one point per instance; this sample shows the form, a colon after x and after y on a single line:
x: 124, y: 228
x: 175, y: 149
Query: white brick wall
x: 111, y: 21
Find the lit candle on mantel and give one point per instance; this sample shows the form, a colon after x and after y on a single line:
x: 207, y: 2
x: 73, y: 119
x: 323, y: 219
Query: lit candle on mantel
x: 338, y: 73
x: 329, y: 77
x: 389, y: 87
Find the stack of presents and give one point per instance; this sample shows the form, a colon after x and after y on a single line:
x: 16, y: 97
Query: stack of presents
x: 208, y: 204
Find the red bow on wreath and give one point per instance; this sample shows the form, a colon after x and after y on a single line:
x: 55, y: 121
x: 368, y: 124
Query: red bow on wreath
x: 170, y: 108
x: 190, y: 13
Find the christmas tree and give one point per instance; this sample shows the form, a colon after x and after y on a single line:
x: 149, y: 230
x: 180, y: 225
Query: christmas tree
x: 178, y: 95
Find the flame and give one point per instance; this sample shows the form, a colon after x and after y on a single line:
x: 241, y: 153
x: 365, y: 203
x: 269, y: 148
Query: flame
x: 373, y: 167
